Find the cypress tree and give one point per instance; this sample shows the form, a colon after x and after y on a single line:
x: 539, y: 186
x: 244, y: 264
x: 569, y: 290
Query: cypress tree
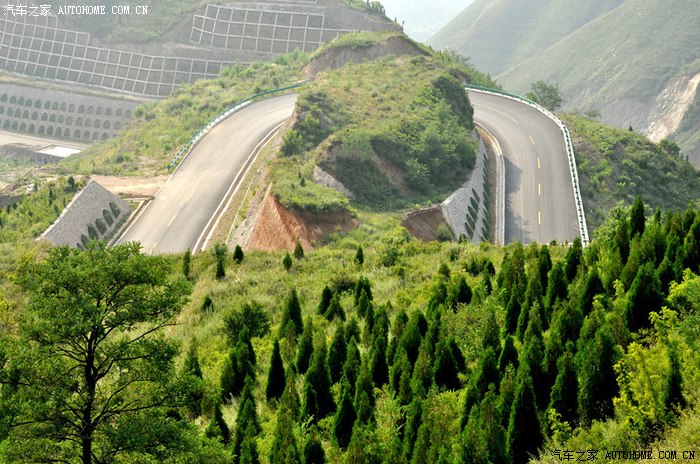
x: 414, y: 416
x: 564, y: 394
x: 532, y: 355
x: 352, y: 365
x: 637, y: 218
x: 509, y: 355
x: 592, y: 286
x: 276, y: 374
x: 484, y: 438
x: 362, y: 284
x: 292, y: 313
x: 556, y: 289
x: 217, y: 427
x: 490, y: 334
x: 573, y: 259
x: 326, y: 297
x: 247, y: 423
x: 309, y: 408
x: 400, y: 378
x: 544, y: 265
x: 287, y: 262
x: 318, y: 378
x: 219, y: 251
x: 622, y: 238
x: 284, y: 447
x: 422, y: 378
x: 445, y: 371
x: 397, y: 328
x: 335, y: 309
x: 298, y: 250
x: 364, y: 396
x: 359, y: 256
x: 691, y: 247
x: 352, y: 330
x: 238, y: 254
x: 460, y: 362
x: 524, y: 435
x: 644, y: 297
x: 306, y: 347
x: 249, y: 450
x: 675, y: 400
x: 596, y: 355
x: 196, y: 392
x: 460, y: 293
x: 513, y: 310
x: 313, y: 450
x: 412, y: 335
x: 290, y: 399
x: 486, y: 374
x: 363, y: 304
x: 238, y: 365
x: 186, y: 264
x: 344, y: 419
x: 337, y: 353
x: 378, y: 352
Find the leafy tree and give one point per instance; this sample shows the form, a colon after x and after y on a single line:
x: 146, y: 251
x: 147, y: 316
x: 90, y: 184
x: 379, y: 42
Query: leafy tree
x: 219, y: 252
x: 251, y: 316
x: 337, y: 353
x: 287, y: 262
x: 344, y: 418
x: 306, y: 347
x: 91, y: 324
x: 292, y: 314
x: 186, y: 264
x: 238, y: 254
x: 276, y: 374
x: 547, y: 95
x: 524, y: 428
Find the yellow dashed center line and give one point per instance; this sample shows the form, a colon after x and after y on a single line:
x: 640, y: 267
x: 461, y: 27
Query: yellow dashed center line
x: 539, y: 217
x: 171, y: 220
x: 538, y: 163
x: 539, y: 189
x: 153, y: 248
x: 531, y: 139
x: 218, y: 153
x: 190, y: 196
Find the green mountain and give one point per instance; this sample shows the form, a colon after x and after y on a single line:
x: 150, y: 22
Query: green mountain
x: 636, y: 61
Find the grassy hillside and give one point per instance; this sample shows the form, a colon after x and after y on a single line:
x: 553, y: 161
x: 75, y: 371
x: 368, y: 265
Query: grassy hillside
x: 498, y: 34
x: 617, y: 165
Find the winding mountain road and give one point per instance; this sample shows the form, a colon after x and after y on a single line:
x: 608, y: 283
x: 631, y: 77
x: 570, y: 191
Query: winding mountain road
x: 539, y: 198
x: 182, y: 213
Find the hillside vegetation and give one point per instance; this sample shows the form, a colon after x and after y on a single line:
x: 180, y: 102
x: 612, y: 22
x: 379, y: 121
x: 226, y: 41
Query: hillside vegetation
x: 617, y: 165
x: 401, y: 352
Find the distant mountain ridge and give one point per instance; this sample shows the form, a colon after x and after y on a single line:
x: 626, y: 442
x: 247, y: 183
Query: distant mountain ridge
x: 635, y: 61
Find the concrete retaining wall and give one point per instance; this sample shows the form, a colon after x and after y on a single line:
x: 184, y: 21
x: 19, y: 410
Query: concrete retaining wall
x: 466, y: 210
x: 94, y: 213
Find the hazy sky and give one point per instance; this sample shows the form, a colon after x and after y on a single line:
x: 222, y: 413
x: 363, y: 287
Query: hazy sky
x: 423, y: 18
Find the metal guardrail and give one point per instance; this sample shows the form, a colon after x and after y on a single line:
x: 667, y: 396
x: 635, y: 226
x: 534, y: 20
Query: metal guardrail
x: 583, y: 228
x: 185, y: 150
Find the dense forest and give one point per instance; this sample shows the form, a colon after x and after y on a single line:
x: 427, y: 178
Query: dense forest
x: 403, y: 352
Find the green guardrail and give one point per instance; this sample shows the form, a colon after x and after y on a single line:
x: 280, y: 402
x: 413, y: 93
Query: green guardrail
x: 218, y: 118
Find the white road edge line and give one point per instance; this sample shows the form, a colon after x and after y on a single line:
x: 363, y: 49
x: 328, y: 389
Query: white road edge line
x: 231, y: 192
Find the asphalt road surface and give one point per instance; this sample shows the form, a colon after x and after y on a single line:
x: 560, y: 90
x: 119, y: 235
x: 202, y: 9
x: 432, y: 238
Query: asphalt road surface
x: 177, y: 217
x: 538, y: 193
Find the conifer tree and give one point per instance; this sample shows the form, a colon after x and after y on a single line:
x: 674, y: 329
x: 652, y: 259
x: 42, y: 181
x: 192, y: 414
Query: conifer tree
x: 306, y: 347
x: 217, y: 427
x: 351, y: 367
x: 326, y: 296
x: 460, y: 362
x: 490, y: 334
x: 276, y: 374
x: 691, y: 247
x: 239, y: 364
x: 344, y: 418
x: 335, y: 309
x: 637, y: 218
x: 532, y: 355
x: 422, y: 378
x: 644, y: 297
x: 220, y: 251
x: 284, y: 447
x: 508, y: 355
x: 196, y: 392
x: 378, y: 352
x: 445, y: 370
x: 592, y: 286
x: 400, y: 377
x: 318, y: 379
x: 337, y: 353
x: 186, y: 264
x: 352, y: 330
x: 556, y: 289
x: 564, y: 393
x: 290, y: 399
x: 484, y: 438
x: 524, y: 435
x: 412, y: 335
x: 459, y: 293
x: 359, y: 256
x: 247, y: 423
x: 513, y: 311
x: 414, y: 418
x: 292, y: 313
x: 362, y: 284
x: 622, y: 238
x: 573, y: 259
x: 674, y: 396
x: 249, y: 449
x: 287, y: 262
x: 400, y: 321
x: 238, y: 254
x: 544, y: 265
x: 364, y: 396
x: 313, y: 450
x: 298, y: 250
